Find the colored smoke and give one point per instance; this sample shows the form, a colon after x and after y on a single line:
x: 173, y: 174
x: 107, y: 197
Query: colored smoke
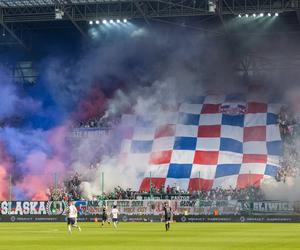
x: 29, y: 155
x: 147, y: 72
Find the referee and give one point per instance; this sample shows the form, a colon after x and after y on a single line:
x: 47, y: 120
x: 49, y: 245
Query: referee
x: 167, y: 212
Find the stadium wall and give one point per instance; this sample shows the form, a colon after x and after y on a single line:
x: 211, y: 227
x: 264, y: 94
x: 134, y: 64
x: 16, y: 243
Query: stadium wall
x: 155, y: 218
x: 151, y: 211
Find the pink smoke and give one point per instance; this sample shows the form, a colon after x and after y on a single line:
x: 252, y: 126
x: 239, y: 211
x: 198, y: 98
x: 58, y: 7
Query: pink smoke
x: 3, y: 183
x: 5, y: 167
x: 43, y: 169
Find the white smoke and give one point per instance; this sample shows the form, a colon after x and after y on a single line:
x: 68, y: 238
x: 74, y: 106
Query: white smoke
x: 172, y: 66
x: 114, y: 175
x: 155, y: 93
x: 287, y: 191
x: 118, y: 105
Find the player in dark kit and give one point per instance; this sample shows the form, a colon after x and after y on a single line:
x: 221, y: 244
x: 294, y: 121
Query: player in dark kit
x: 104, y: 215
x: 167, y: 212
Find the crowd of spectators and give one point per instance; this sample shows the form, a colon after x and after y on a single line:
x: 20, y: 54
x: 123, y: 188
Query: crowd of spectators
x: 99, y: 122
x: 13, y: 121
x: 248, y: 193
x: 289, y: 131
x: 57, y: 193
x: 120, y: 194
x: 73, y: 187
x: 71, y: 191
x: 68, y: 190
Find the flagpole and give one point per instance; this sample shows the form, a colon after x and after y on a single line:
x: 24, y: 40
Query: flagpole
x: 10, y: 188
x: 55, y: 191
x: 102, y: 182
x: 199, y: 184
x: 199, y: 189
x: 150, y: 188
x: 9, y: 193
x: 250, y: 193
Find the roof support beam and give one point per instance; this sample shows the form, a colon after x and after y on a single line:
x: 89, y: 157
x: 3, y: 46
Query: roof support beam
x: 11, y: 32
x: 76, y: 25
x: 298, y: 15
x: 138, y: 6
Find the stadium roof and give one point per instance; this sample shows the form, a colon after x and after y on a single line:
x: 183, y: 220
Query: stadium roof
x: 34, y: 3
x: 18, y: 16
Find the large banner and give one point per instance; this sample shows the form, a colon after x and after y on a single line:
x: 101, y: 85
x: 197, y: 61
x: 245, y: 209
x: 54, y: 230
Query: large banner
x: 148, y: 210
x: 191, y: 207
x: 33, y: 208
x: 211, y: 141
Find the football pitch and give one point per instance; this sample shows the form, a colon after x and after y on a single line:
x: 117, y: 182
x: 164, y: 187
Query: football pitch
x: 140, y: 236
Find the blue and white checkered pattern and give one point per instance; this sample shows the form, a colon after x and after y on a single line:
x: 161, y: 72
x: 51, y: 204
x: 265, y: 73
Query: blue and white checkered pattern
x: 229, y: 141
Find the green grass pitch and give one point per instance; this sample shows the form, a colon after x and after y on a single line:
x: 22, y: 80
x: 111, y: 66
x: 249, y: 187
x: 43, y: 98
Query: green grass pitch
x: 140, y: 236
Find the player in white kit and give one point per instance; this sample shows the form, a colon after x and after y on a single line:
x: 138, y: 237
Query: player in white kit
x: 115, y: 213
x: 72, y: 217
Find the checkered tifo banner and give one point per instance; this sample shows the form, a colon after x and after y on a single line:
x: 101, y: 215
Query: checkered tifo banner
x: 229, y: 141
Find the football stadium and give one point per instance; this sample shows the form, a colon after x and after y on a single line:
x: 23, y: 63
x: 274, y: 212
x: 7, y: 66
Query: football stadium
x: 149, y: 124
